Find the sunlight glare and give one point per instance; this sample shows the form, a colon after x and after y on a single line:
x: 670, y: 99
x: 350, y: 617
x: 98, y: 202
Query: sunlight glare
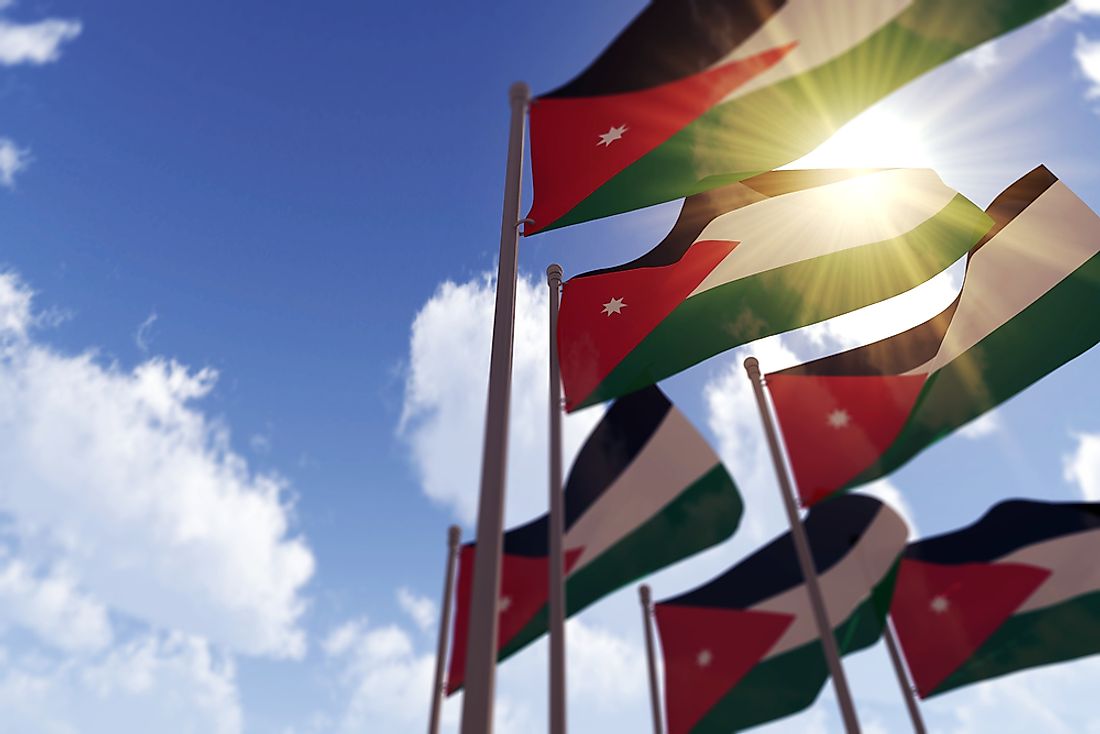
x: 876, y: 139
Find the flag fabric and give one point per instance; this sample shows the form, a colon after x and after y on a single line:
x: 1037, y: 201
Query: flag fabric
x: 1018, y: 589
x: 692, y: 96
x: 743, y: 649
x: 645, y: 491
x: 1028, y: 305
x: 775, y: 252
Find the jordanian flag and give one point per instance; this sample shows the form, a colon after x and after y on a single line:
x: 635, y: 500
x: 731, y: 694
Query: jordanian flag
x: 1018, y: 589
x: 645, y: 491
x: 694, y: 95
x: 744, y: 649
x: 772, y: 253
x: 1028, y: 305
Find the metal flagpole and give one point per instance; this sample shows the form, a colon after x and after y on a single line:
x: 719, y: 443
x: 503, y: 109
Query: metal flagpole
x: 907, y: 689
x: 654, y: 692
x: 481, y: 659
x: 454, y: 533
x: 557, y: 512
x: 805, y: 560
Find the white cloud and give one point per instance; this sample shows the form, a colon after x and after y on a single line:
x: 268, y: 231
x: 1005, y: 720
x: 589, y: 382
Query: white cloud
x: 52, y: 607
x: 885, y: 491
x: 13, y: 160
x: 982, y: 426
x: 15, y: 308
x: 117, y: 478
x: 35, y: 43
x: 1087, y: 7
x: 603, y: 669
x: 1087, y: 53
x: 445, y: 391
x: 168, y: 684
x: 1050, y: 699
x: 1083, y: 466
x: 141, y: 336
x: 984, y: 57
x: 420, y: 609
x: 388, y: 683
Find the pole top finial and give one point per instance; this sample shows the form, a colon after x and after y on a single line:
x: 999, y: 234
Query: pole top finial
x: 454, y: 535
x: 752, y: 366
x: 553, y: 272
x: 519, y: 92
x: 646, y: 594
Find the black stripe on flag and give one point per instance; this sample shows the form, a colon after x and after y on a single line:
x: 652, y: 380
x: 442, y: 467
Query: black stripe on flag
x: 894, y: 355
x: 1011, y: 202
x: 1007, y: 527
x: 699, y: 210
x: 612, y: 446
x: 669, y: 40
x: 833, y: 528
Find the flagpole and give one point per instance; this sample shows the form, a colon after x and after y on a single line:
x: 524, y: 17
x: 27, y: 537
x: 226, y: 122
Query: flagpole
x: 805, y: 560
x: 481, y: 659
x: 907, y: 689
x: 651, y: 661
x: 557, y: 511
x: 454, y: 533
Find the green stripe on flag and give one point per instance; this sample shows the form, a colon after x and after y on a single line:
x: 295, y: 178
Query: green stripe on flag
x: 1066, y: 631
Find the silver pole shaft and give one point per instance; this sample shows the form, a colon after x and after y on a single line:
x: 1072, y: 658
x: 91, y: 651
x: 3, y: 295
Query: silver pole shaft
x: 805, y: 560
x: 454, y: 533
x: 907, y: 691
x: 481, y: 660
x: 557, y: 520
x: 650, y: 656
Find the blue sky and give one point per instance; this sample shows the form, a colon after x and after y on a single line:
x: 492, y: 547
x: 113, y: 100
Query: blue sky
x: 243, y: 337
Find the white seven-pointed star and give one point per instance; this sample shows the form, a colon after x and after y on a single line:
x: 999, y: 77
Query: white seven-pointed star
x: 838, y: 418
x: 940, y: 604
x: 703, y: 658
x: 612, y: 134
x: 505, y: 604
x: 615, y: 305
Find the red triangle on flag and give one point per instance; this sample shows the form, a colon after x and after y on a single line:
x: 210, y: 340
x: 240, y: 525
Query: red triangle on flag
x: 707, y: 651
x: 604, y: 317
x: 579, y: 143
x: 837, y: 426
x: 524, y: 591
x: 944, y: 612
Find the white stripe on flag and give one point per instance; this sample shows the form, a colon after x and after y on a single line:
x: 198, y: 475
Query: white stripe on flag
x: 845, y: 586
x: 1046, y: 242
x: 1071, y: 559
x: 824, y: 220
x: 823, y: 31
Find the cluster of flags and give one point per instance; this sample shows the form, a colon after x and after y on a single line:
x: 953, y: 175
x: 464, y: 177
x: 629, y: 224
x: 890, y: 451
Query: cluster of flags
x: 704, y: 100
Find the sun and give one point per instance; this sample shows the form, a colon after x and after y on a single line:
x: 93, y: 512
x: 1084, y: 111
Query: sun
x: 876, y: 139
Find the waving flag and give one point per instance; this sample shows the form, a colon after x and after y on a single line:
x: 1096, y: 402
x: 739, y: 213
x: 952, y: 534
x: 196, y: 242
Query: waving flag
x: 743, y: 649
x: 772, y: 253
x: 695, y: 95
x: 645, y: 491
x: 1018, y: 589
x: 1028, y: 305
